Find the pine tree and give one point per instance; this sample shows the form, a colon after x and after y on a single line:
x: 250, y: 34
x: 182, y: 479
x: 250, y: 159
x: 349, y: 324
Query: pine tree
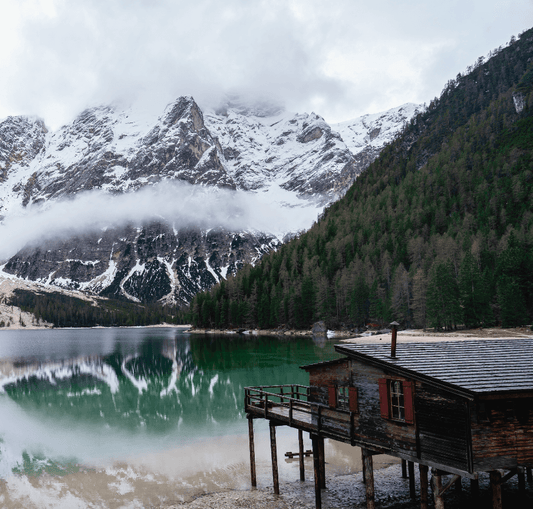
x: 419, y: 301
x: 443, y: 308
x: 474, y: 294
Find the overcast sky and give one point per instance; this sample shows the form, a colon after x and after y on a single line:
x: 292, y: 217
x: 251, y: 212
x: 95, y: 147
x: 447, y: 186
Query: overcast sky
x: 339, y: 58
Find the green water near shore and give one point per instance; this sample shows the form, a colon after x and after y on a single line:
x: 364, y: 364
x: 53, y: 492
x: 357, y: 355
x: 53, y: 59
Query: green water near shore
x: 82, y: 397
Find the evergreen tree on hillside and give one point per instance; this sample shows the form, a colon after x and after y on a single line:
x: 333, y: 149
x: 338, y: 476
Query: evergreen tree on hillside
x: 474, y: 293
x: 400, y: 244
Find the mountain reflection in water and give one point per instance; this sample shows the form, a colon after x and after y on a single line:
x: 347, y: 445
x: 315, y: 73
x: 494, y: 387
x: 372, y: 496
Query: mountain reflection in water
x: 140, y: 392
x: 120, y: 391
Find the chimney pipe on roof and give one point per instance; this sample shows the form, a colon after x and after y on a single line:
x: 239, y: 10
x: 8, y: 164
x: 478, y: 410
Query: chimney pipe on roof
x: 394, y: 326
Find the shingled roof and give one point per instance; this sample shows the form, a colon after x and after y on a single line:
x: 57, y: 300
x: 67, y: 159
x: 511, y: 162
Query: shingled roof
x: 471, y: 367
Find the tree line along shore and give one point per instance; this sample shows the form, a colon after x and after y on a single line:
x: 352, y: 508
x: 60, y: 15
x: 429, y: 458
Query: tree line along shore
x: 437, y: 232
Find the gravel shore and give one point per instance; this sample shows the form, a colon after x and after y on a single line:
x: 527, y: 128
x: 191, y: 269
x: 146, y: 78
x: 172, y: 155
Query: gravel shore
x: 347, y: 491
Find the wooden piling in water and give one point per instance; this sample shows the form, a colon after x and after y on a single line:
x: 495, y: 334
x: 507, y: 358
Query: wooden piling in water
x: 436, y: 484
x: 274, y: 455
x: 474, y: 487
x: 412, y: 488
x: 252, y: 451
x: 404, y: 469
x: 363, y: 465
x: 423, y: 486
x: 496, y: 488
x: 459, y: 486
x: 521, y: 480
x: 316, y: 469
x: 322, y: 459
x: 369, y: 479
x: 301, y: 456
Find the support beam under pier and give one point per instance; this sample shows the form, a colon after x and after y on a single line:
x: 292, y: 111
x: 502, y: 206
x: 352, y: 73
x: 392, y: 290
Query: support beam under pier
x: 316, y: 465
x: 424, y: 485
x: 368, y: 470
x: 274, y: 455
x: 496, y: 488
x: 253, y: 474
x: 301, y: 454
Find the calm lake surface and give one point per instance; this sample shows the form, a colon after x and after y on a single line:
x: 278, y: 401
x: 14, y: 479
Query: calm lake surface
x: 131, y: 417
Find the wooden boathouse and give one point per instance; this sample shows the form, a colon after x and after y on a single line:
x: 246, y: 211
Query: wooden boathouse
x: 457, y: 407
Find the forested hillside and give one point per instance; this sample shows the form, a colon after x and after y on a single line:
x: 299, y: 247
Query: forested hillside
x: 66, y: 311
x: 437, y: 232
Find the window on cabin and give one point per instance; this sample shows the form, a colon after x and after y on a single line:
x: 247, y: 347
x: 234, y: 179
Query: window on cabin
x: 343, y: 398
x: 396, y: 400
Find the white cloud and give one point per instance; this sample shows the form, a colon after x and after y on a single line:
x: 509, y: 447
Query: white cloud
x: 341, y: 58
x: 178, y: 204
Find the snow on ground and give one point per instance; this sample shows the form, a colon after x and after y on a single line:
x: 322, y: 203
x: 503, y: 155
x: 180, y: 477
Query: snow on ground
x: 12, y: 316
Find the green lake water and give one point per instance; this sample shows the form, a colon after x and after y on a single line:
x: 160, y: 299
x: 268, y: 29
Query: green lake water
x: 158, y: 402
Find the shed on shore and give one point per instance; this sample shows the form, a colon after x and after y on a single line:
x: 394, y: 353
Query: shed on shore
x: 458, y: 407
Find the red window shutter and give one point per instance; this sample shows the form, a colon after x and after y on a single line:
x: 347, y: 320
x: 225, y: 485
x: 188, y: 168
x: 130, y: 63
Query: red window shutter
x: 384, y: 398
x: 332, y: 396
x: 352, y: 394
x: 408, y: 400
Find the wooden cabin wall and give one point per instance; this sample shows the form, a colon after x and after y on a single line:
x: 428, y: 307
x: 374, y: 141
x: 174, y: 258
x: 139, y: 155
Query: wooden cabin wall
x: 370, y: 426
x: 320, y: 379
x: 443, y: 432
x: 439, y: 435
x: 502, y: 433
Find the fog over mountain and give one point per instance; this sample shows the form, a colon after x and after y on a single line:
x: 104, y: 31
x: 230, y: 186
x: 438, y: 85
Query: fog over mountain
x: 341, y: 59
x: 125, y: 203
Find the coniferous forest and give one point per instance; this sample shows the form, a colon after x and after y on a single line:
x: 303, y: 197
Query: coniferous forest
x: 437, y: 232
x: 66, y: 311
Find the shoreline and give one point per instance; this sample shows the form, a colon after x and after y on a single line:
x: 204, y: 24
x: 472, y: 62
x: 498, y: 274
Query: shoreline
x: 49, y: 326
x: 409, y: 335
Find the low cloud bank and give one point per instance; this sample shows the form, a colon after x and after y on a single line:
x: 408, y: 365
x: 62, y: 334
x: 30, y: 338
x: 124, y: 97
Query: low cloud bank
x: 181, y: 205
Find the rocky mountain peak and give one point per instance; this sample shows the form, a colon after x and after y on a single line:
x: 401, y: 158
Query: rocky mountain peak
x: 298, y: 161
x: 21, y: 139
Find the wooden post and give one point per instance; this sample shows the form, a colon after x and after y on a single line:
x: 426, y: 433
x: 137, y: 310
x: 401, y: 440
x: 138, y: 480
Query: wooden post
x: 369, y: 479
x: 316, y: 465
x: 436, y: 484
x: 521, y: 480
x: 423, y: 486
x: 459, y: 486
x: 496, y: 487
x: 363, y: 465
x: 274, y: 454
x: 474, y: 487
x: 412, y: 488
x: 301, y: 451
x: 529, y: 476
x: 404, y: 469
x: 252, y: 450
x: 322, y: 458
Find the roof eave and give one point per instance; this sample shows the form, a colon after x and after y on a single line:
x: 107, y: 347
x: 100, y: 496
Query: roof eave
x: 408, y: 373
x: 307, y: 367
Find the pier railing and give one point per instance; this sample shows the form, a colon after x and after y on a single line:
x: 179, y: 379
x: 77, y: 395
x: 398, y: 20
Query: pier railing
x: 289, y: 404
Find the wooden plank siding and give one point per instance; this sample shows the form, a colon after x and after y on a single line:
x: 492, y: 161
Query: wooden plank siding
x: 396, y: 437
x: 442, y: 421
x: 502, y: 433
x: 439, y: 434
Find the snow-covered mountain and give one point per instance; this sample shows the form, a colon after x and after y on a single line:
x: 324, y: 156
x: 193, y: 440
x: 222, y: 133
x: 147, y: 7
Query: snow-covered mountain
x: 296, y: 162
